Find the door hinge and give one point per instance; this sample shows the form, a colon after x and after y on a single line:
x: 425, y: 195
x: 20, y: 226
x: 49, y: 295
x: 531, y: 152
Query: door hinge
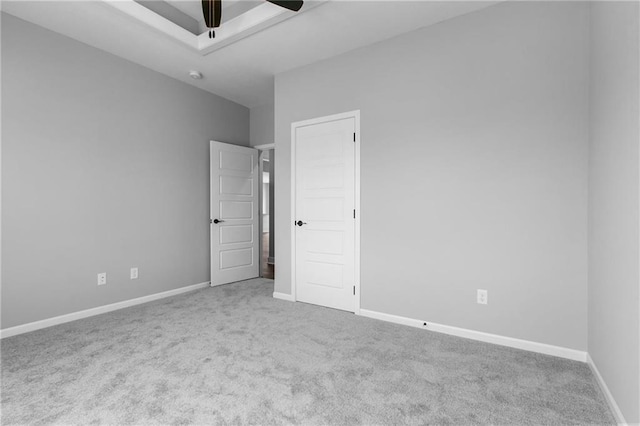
x: 354, y: 290
x: 354, y: 137
x: 210, y: 220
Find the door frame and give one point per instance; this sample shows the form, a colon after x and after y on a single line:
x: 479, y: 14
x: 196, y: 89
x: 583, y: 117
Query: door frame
x: 261, y: 150
x: 294, y: 126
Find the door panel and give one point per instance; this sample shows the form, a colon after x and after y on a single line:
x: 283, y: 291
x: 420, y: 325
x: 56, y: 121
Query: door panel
x: 234, y: 185
x: 236, y: 234
x: 236, y: 209
x: 230, y: 259
x: 236, y: 161
x: 234, y: 203
x: 325, y: 201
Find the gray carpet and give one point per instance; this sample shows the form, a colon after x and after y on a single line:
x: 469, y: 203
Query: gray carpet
x: 234, y: 355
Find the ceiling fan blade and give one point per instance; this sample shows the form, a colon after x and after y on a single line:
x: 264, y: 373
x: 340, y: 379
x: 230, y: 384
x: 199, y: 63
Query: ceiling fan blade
x: 294, y: 5
x: 212, y: 11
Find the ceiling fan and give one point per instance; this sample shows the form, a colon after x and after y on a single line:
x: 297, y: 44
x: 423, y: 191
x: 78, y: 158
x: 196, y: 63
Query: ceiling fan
x: 212, y: 10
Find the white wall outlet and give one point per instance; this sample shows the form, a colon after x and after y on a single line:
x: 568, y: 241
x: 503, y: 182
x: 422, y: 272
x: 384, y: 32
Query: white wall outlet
x: 134, y: 273
x: 102, y: 278
x: 483, y: 296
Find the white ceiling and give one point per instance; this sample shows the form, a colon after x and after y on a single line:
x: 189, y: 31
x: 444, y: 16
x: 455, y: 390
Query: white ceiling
x: 193, y: 8
x: 243, y: 71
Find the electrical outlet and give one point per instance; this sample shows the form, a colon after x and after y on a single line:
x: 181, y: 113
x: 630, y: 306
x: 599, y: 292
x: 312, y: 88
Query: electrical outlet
x: 483, y: 296
x: 134, y: 273
x: 102, y: 278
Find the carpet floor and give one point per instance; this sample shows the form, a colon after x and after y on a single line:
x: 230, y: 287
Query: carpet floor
x: 234, y: 355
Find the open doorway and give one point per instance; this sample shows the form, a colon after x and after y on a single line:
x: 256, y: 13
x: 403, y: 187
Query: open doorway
x: 267, y: 257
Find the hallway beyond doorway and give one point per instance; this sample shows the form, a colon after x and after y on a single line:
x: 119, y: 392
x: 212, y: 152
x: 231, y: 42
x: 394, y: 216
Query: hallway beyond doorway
x: 267, y: 269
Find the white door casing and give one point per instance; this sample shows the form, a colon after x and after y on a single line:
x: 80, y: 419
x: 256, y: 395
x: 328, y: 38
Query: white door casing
x: 234, y: 214
x: 325, y: 209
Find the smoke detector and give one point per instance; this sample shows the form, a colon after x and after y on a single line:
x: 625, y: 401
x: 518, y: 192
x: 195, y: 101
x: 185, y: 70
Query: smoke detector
x: 196, y: 75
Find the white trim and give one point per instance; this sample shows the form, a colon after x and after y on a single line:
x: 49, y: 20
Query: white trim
x: 252, y: 21
x: 607, y: 394
x: 511, y: 342
x: 49, y: 322
x: 260, y: 204
x: 292, y: 218
x: 335, y: 117
x: 283, y: 296
x: 391, y: 318
x: 265, y: 147
x: 358, y: 214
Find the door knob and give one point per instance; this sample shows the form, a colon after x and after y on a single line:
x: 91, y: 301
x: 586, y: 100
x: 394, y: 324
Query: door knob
x: 217, y: 221
x: 300, y: 223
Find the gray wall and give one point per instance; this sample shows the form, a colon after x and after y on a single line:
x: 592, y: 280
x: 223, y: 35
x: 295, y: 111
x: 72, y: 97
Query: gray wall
x: 614, y: 212
x: 474, y: 168
x: 262, y: 125
x: 104, y: 166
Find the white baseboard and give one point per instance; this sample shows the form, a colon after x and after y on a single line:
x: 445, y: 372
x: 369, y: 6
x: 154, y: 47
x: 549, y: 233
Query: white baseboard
x: 526, y: 345
x: 607, y: 394
x: 49, y: 322
x: 283, y: 296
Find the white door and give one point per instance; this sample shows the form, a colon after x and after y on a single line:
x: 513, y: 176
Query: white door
x: 234, y: 213
x: 325, y: 213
